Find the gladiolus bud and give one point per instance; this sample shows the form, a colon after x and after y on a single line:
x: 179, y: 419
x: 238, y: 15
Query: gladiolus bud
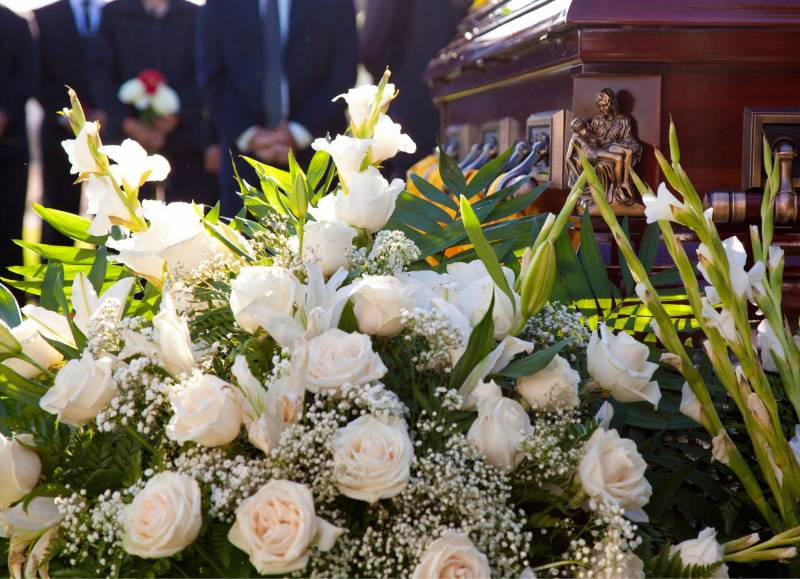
x: 760, y: 412
x: 538, y: 279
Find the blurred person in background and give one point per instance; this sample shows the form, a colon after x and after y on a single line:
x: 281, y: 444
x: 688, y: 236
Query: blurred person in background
x: 154, y: 40
x: 66, y: 29
x: 268, y: 70
x: 16, y: 86
x: 406, y: 35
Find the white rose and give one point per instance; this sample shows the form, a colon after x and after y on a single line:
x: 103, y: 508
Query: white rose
x: 388, y: 139
x: 704, y: 550
x: 336, y: 358
x: 347, y: 153
x: 81, y: 390
x: 20, y: 468
x: 328, y: 243
x: 23, y: 523
x: 501, y: 426
x: 105, y: 204
x: 278, y: 525
x: 613, y: 469
x: 369, y: 202
x: 452, y: 556
x: 79, y: 152
x: 629, y: 566
x: 205, y: 412
x: 131, y: 91
x: 379, y: 302
x: 553, y: 387
x: 164, y: 517
x: 619, y: 365
x: 474, y: 295
x: 33, y: 346
x: 372, y: 458
x: 174, y: 338
x: 165, y: 101
x: 265, y: 296
x: 361, y: 99
x: 134, y: 166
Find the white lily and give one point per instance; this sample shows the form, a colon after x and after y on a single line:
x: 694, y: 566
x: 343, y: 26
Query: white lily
x: 134, y: 166
x: 87, y: 303
x: 104, y: 203
x: 78, y: 151
x: 361, y: 99
x: 347, y: 153
x: 388, y: 139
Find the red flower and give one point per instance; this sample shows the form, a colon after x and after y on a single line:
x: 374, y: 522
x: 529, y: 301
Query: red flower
x: 151, y: 79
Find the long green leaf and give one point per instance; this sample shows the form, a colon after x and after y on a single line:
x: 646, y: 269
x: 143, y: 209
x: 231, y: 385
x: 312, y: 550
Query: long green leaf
x: 72, y: 226
x: 593, y: 263
x: 317, y: 168
x: 9, y: 309
x: 432, y: 193
x: 451, y: 175
x: 97, y: 274
x: 484, y: 250
x: 480, y: 344
x: 488, y: 173
x: 64, y: 254
x: 535, y: 362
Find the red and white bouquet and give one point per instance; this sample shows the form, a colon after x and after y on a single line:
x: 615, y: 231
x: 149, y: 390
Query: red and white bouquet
x: 150, y: 93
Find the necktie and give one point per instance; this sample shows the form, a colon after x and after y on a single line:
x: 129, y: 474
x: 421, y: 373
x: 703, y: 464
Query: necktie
x: 87, y: 17
x: 273, y: 64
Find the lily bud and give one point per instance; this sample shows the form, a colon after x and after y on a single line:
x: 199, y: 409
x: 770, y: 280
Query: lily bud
x: 538, y: 279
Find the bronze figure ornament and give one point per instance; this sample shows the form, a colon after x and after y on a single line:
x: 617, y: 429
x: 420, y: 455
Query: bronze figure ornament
x: 607, y: 141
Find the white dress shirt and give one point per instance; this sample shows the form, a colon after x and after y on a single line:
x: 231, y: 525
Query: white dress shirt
x: 300, y: 134
x: 95, y: 10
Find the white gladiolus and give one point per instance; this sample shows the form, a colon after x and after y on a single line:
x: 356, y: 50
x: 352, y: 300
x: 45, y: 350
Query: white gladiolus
x: 174, y: 338
x: 164, y: 518
x: 450, y: 556
x: 347, y: 153
x: 690, y: 405
x: 336, y: 358
x: 327, y: 243
x: 499, y: 430
x: 86, y: 302
x: 278, y: 526
x: 165, y: 101
x: 612, y: 469
x: 134, y: 166
x: 20, y: 468
x: 82, y: 389
x: 721, y: 320
x: 769, y: 346
x: 741, y: 281
x: 704, y: 550
x: 553, y: 387
x: 205, y: 412
x: 372, y: 458
x: 618, y: 363
x: 369, y: 202
x: 388, y: 140
x: 361, y: 99
x: 379, y: 302
x: 79, y: 152
x: 662, y: 206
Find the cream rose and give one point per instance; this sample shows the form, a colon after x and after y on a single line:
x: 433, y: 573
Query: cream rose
x: 33, y: 346
x: 619, y: 365
x: 20, y: 468
x: 372, y: 458
x: 262, y: 293
x: 328, y: 243
x: 501, y: 426
x: 379, y: 302
x: 628, y: 567
x: 612, y: 469
x: 164, y: 517
x: 369, y: 202
x: 452, y: 556
x: 205, y: 412
x: 336, y: 358
x: 81, y: 390
x: 553, y: 387
x: 704, y: 550
x: 278, y: 525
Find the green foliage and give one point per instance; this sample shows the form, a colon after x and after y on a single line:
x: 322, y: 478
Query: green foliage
x: 666, y: 565
x: 479, y: 345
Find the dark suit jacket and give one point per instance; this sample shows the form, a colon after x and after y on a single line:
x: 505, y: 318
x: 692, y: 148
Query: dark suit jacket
x: 16, y: 81
x: 63, y: 59
x: 406, y: 35
x: 130, y: 41
x: 320, y: 63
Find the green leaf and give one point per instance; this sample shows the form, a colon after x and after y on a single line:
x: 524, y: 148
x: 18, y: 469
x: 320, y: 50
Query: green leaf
x: 664, y: 493
x: 432, y: 193
x: 72, y: 226
x: 627, y: 276
x: 278, y: 176
x: 593, y: 263
x: 53, y: 283
x: 64, y: 254
x: 535, y: 362
x: 65, y: 350
x: 451, y: 175
x: 484, y: 250
x: 317, y: 168
x: 97, y: 274
x: 9, y: 309
x: 488, y: 173
x: 19, y: 387
x: 480, y: 344
x: 648, y: 247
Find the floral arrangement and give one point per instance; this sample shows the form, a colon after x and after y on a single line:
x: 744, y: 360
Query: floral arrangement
x: 150, y: 93
x: 298, y: 391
